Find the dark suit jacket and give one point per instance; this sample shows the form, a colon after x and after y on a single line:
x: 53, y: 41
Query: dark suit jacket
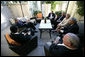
x: 20, y: 37
x: 20, y: 24
x: 52, y: 15
x: 71, y: 28
x: 57, y: 50
x: 61, y: 18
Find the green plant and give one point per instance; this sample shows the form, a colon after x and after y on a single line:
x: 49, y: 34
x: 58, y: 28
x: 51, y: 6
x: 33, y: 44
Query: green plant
x: 58, y: 13
x: 36, y: 12
x: 39, y: 11
x: 53, y: 3
x: 80, y: 9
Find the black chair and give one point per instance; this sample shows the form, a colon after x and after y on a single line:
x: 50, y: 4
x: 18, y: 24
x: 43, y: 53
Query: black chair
x: 81, y: 33
x: 24, y: 49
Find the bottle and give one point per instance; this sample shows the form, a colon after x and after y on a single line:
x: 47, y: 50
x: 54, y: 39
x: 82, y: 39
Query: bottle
x: 45, y: 20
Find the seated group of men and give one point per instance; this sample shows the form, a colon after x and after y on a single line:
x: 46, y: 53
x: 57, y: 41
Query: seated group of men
x: 63, y: 24
x: 67, y: 45
x: 26, y: 34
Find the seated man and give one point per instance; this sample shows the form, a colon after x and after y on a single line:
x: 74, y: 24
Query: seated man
x: 63, y: 15
x: 20, y: 37
x: 72, y: 27
x: 51, y: 16
x: 27, y: 24
x: 69, y: 47
x: 19, y: 23
x: 58, y: 20
x: 64, y: 22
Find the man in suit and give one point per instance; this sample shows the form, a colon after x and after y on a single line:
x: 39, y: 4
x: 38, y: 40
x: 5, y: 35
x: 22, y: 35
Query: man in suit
x: 64, y: 22
x: 58, y: 20
x: 69, y: 47
x: 20, y: 37
x: 63, y: 15
x: 19, y: 23
x: 27, y: 24
x: 72, y: 27
x: 51, y: 16
x: 30, y: 24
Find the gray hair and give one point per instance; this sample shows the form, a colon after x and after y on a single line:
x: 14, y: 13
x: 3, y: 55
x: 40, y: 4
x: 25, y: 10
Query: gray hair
x: 73, y: 19
x: 73, y: 39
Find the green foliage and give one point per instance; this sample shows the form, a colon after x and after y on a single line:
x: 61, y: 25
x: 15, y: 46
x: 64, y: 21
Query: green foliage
x: 36, y: 12
x: 53, y: 3
x: 39, y: 11
x: 80, y: 9
x: 58, y: 13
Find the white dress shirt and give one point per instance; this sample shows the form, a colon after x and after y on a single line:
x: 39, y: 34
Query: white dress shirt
x: 51, y: 16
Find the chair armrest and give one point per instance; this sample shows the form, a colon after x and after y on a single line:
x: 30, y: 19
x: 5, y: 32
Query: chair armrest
x: 33, y: 17
x: 15, y: 43
x: 11, y: 41
x: 34, y: 36
x: 47, y: 52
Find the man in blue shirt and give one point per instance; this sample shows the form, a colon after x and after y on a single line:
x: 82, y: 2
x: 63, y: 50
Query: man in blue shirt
x: 20, y: 24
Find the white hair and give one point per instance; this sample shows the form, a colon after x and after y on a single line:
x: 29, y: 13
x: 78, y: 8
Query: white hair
x: 73, y: 39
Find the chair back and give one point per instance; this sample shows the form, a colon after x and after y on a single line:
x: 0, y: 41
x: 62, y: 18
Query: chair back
x: 11, y: 41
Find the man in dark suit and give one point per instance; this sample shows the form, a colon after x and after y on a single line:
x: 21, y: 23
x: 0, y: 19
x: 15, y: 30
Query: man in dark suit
x: 63, y: 15
x: 72, y: 27
x: 20, y: 37
x: 51, y: 16
x: 69, y: 47
x: 19, y: 23
x: 27, y: 24
x: 59, y: 19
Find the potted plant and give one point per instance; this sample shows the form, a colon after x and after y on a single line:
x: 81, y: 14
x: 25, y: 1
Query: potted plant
x: 80, y: 9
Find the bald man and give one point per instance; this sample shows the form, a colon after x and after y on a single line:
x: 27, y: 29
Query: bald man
x: 69, y: 47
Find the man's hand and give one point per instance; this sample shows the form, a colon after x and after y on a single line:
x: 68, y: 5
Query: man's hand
x: 59, y: 26
x: 28, y: 20
x: 58, y: 30
x: 61, y: 31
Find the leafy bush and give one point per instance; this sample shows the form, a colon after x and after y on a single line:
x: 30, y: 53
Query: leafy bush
x: 58, y: 13
x: 36, y: 12
x: 80, y: 9
x: 53, y: 3
x: 39, y: 11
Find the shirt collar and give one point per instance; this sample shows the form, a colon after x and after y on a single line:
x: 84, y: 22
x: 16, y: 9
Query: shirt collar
x: 67, y: 46
x: 16, y: 33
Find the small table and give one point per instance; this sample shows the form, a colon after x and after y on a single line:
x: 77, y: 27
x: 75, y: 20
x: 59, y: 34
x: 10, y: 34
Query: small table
x: 45, y: 26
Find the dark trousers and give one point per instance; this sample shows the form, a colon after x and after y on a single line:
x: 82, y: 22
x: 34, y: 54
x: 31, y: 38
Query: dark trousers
x: 52, y: 21
x: 55, y: 24
x: 30, y: 25
x: 61, y: 37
